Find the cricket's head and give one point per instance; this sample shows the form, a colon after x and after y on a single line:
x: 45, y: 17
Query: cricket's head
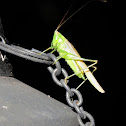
x: 57, y: 39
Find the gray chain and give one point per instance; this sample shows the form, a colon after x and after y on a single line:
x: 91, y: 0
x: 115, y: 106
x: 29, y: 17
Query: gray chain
x: 70, y: 92
x: 45, y: 58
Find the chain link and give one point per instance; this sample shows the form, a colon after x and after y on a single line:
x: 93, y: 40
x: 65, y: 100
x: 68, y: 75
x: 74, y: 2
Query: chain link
x: 76, y: 104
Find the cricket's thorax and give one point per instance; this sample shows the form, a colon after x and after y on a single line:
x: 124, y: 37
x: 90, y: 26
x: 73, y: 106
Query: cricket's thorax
x: 63, y: 46
x: 58, y: 40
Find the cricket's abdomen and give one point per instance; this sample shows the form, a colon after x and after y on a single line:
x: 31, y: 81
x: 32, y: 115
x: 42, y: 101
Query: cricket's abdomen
x: 75, y: 67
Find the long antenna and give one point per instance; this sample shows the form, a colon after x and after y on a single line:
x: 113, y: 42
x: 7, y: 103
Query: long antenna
x: 63, y: 18
x: 61, y: 23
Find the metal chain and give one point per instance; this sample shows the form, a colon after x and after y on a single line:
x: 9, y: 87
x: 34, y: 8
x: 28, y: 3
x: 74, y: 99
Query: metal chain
x: 76, y: 104
x: 45, y: 58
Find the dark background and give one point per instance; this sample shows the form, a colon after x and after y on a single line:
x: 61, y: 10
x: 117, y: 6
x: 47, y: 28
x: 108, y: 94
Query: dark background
x: 97, y: 32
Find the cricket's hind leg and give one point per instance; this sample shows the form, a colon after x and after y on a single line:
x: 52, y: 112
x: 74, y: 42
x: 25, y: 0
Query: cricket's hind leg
x: 69, y: 77
x: 81, y: 84
x: 95, y: 68
x: 74, y: 75
x: 93, y: 65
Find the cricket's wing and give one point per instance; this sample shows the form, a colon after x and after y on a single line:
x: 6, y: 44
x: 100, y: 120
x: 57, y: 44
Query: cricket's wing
x: 90, y: 76
x: 71, y: 56
x: 94, y: 82
x: 72, y: 53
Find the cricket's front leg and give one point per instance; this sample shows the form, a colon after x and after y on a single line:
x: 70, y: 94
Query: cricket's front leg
x: 44, y: 51
x: 60, y: 56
